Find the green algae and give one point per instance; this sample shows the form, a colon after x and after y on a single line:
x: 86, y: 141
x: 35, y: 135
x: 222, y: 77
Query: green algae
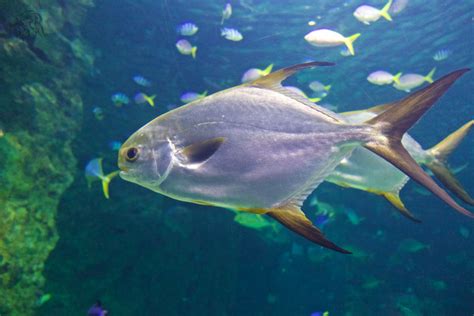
x: 43, y: 114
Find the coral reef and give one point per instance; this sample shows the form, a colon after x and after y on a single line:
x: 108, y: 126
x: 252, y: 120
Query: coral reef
x: 41, y: 112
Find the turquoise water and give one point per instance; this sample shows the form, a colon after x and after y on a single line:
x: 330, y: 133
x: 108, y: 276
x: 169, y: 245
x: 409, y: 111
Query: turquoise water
x: 141, y: 253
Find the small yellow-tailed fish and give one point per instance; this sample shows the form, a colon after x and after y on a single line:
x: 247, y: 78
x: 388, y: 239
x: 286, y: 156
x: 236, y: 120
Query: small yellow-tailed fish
x: 255, y: 73
x: 368, y: 14
x: 141, y: 98
x: 329, y: 38
x: 94, y: 172
x: 259, y: 148
x: 185, y: 48
x: 408, y: 82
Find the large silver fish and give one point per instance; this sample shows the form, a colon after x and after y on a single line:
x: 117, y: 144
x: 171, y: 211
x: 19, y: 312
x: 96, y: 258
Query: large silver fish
x: 261, y: 148
x: 366, y: 171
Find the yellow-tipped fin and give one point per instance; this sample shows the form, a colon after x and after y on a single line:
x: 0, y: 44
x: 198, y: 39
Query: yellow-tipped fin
x: 429, y: 76
x: 193, y: 51
x: 392, y: 125
x: 438, y: 165
x: 314, y: 100
x: 267, y: 70
x: 395, y: 200
x: 396, y: 78
x: 327, y: 87
x: 150, y: 100
x: 385, y: 9
x: 293, y: 218
x: 105, y: 182
x: 349, y: 42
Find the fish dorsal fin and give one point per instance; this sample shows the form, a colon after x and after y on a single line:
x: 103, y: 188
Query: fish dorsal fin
x: 293, y: 218
x: 200, y: 152
x: 375, y: 110
x: 273, y: 81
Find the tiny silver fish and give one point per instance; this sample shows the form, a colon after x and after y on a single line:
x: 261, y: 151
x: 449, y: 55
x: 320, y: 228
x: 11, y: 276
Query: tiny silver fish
x: 231, y: 34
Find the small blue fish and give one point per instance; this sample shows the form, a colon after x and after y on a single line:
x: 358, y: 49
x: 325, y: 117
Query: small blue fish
x: 119, y: 99
x: 321, y: 220
x: 326, y: 313
x: 442, y: 54
x: 187, y: 29
x: 97, y: 310
x: 141, y: 98
x: 94, y: 171
x: 231, y: 34
x: 98, y: 113
x: 142, y: 81
x: 192, y: 96
x: 226, y: 13
x: 115, y: 145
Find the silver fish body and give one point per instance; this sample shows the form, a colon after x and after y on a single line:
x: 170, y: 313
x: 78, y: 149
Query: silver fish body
x: 275, y: 149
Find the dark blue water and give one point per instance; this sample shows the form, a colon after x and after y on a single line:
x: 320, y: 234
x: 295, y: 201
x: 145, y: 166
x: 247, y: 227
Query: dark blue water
x: 145, y: 254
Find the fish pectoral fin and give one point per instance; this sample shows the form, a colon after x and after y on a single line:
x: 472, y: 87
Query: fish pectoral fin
x: 200, y: 152
x: 294, y: 219
x: 395, y: 200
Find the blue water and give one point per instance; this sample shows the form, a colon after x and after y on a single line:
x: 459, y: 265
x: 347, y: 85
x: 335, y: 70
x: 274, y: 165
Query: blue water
x: 144, y: 254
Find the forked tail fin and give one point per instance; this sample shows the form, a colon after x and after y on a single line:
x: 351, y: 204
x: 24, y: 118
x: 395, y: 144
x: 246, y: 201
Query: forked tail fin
x: 438, y: 165
x: 106, y: 181
x: 393, y: 123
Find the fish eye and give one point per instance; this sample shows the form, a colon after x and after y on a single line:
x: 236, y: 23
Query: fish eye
x: 132, y: 154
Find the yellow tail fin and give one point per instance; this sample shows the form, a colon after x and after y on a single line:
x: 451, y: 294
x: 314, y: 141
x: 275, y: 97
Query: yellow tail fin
x: 349, y: 42
x: 392, y: 124
x: 429, y: 76
x: 105, y: 182
x: 396, y: 78
x: 438, y: 164
x: 193, y: 51
x: 328, y: 87
x: 150, y: 100
x: 384, y: 11
x: 267, y: 70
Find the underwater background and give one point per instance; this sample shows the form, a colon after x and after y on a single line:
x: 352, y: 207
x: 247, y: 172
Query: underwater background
x: 63, y: 245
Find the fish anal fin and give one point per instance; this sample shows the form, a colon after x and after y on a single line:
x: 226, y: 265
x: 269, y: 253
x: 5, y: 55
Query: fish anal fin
x: 200, y: 152
x: 294, y: 219
x: 395, y: 200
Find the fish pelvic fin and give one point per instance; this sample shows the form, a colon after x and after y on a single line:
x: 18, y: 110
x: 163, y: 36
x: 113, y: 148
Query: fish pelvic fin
x: 294, y: 219
x: 395, y: 200
x: 106, y: 181
x: 429, y: 76
x: 349, y: 42
x: 193, y: 51
x: 385, y: 9
x: 393, y: 123
x: 396, y: 78
x: 438, y: 165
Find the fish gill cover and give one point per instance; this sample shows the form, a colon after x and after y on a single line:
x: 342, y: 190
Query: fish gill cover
x: 71, y: 71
